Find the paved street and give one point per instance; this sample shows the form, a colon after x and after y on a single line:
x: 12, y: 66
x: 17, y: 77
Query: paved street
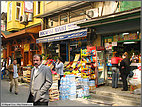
x: 7, y: 97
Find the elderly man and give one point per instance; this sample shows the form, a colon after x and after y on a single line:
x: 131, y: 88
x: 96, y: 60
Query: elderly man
x: 41, y: 81
x: 14, y: 69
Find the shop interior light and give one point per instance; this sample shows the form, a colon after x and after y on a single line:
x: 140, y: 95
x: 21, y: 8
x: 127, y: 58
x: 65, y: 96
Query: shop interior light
x: 125, y: 33
x: 129, y: 42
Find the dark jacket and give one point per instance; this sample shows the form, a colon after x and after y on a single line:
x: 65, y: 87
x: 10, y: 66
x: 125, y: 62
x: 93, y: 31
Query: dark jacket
x: 125, y: 66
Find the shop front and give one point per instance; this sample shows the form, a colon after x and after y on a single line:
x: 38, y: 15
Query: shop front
x: 21, y: 45
x: 120, y: 32
x: 63, y: 44
x: 70, y: 46
x: 119, y: 43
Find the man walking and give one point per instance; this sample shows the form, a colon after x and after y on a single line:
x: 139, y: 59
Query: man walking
x: 14, y: 69
x: 41, y: 81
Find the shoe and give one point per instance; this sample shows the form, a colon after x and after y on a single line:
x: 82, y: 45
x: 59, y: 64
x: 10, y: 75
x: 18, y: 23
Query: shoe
x: 16, y: 93
x: 10, y: 90
x: 124, y: 90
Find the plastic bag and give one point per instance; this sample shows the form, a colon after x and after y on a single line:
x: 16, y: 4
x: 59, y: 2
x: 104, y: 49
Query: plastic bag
x: 137, y: 91
x: 136, y: 79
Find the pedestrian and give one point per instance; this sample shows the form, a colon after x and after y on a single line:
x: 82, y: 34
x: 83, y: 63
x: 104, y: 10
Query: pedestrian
x: 115, y: 70
x: 9, y: 60
x: 41, y: 81
x: 125, y: 70
x: 14, y: 69
x: 59, y: 66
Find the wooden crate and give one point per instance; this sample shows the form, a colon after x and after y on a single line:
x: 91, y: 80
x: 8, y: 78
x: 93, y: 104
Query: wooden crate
x: 55, y: 78
x: 53, y: 99
x: 53, y: 94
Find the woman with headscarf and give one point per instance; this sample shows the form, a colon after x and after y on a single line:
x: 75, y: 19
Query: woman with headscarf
x: 59, y: 69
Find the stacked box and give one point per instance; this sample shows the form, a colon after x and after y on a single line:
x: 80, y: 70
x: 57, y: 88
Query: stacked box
x: 53, y: 91
x: 27, y: 76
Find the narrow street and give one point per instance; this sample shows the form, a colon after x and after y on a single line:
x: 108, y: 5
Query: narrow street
x: 7, y: 97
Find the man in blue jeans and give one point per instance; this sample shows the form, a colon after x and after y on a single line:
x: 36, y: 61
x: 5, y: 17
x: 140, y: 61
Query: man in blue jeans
x: 115, y: 71
x: 115, y: 76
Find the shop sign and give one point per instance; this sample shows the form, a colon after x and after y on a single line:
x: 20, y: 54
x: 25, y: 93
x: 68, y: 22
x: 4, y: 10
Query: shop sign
x: 108, y: 46
x: 100, y: 48
x: 26, y: 47
x: 59, y: 29
x: 70, y: 35
x: 28, y: 6
x: 114, y: 43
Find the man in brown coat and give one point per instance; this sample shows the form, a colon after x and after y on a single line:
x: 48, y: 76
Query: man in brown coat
x: 14, y: 69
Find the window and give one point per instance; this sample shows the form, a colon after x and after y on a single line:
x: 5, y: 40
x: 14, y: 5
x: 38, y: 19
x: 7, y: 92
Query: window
x: 53, y: 22
x: 78, y: 14
x: 10, y: 11
x: 18, y: 10
x: 37, y: 7
x: 64, y: 19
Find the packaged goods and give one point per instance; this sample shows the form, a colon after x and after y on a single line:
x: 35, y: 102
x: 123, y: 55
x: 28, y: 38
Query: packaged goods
x: 86, y: 82
x: 86, y: 91
x: 136, y: 79
x: 92, y: 83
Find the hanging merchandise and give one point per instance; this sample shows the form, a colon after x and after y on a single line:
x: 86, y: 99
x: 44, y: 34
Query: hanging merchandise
x: 136, y: 79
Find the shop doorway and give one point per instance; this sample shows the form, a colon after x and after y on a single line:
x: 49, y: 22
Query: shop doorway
x: 63, y: 52
x: 25, y: 58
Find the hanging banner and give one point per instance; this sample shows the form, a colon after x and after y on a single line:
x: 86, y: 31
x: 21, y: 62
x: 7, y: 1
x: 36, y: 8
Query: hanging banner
x: 28, y: 6
x: 114, y: 43
x: 64, y: 36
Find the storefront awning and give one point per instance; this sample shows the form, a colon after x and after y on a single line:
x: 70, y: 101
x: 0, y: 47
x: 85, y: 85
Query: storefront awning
x: 64, y: 36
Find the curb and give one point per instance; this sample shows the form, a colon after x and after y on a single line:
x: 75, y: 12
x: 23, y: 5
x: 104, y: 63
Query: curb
x: 116, y: 98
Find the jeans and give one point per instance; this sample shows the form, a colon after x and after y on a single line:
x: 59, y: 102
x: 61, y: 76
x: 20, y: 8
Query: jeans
x: 115, y: 76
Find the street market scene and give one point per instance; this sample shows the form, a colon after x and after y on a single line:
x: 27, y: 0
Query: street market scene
x: 71, y: 53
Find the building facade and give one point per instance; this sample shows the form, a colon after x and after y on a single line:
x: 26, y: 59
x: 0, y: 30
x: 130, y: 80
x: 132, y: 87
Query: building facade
x: 22, y: 30
x: 91, y: 21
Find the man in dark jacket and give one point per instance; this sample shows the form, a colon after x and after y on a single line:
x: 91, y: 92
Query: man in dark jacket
x: 125, y: 70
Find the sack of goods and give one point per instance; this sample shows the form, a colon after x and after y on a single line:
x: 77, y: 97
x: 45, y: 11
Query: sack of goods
x: 136, y: 79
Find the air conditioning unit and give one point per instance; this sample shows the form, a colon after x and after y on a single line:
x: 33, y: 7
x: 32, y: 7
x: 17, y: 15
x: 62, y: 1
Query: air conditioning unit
x: 30, y: 17
x: 23, y: 19
x: 92, y: 13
